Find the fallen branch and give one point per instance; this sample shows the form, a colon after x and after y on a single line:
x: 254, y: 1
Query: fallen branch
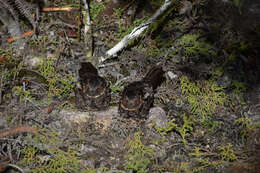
x: 19, y: 129
x: 137, y: 31
x: 55, y: 9
x: 87, y: 26
x: 11, y: 39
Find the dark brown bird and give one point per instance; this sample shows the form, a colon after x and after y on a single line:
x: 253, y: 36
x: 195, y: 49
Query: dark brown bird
x: 93, y: 92
x: 137, y: 97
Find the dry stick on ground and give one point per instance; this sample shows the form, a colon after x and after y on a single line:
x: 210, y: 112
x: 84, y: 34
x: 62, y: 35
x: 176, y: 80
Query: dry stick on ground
x: 55, y: 9
x: 29, y: 33
x: 137, y: 31
x: 18, y: 129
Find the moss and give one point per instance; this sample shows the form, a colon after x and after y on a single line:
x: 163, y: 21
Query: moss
x: 116, y: 89
x: 139, y: 156
x: 118, y: 12
x: 213, y: 125
x: 164, y: 130
x: 57, y: 86
x: 227, y: 153
x: 218, y: 72
x: 204, y: 163
x: 191, y: 46
x: 184, y: 130
x: 154, y: 51
x: 23, y: 95
x: 249, y: 129
x: 8, y: 54
x: 205, y: 159
x: 95, y: 9
x: 13, y: 63
x: 39, y: 42
x: 57, y: 160
x: 183, y: 167
x: 239, y: 87
x: 203, y: 97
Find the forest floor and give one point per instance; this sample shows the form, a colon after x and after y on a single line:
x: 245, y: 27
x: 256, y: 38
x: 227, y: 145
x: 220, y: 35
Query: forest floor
x: 206, y: 113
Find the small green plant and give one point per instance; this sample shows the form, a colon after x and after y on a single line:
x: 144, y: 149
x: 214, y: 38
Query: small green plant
x: 58, y: 161
x: 116, y: 89
x: 205, y: 163
x: 205, y: 158
x: 58, y: 86
x: 139, y: 156
x: 39, y: 42
x: 249, y: 129
x: 227, y: 153
x: 185, y: 130
x: 183, y: 167
x: 239, y: 87
x: 212, y: 124
x: 202, y: 160
x: 118, y: 13
x: 203, y: 96
x: 164, y: 130
x: 218, y: 72
x: 95, y: 9
x: 191, y: 46
x: 8, y: 54
x: 24, y: 95
x: 153, y: 51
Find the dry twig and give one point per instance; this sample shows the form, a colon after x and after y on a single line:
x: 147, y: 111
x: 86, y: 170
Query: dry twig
x: 87, y: 26
x: 18, y: 129
x: 11, y: 39
x: 55, y: 9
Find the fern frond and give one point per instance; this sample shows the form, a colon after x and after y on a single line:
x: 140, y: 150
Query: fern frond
x: 26, y: 9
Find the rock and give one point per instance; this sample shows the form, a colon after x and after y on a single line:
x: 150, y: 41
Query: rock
x: 160, y: 152
x: 33, y: 62
x: 78, y: 117
x: 157, y: 115
x: 171, y: 75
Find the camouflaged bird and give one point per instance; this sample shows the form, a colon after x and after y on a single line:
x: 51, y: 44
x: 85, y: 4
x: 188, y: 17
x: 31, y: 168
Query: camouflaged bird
x: 137, y: 97
x: 93, y: 92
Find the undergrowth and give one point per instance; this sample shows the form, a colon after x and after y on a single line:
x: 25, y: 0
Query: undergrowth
x: 139, y: 156
x: 203, y: 97
x: 58, y: 86
x: 191, y: 46
x: 184, y: 130
x: 95, y: 9
x: 206, y: 159
x: 249, y: 129
x: 44, y: 155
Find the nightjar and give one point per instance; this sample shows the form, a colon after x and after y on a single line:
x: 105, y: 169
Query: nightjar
x: 93, y: 92
x: 137, y: 97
